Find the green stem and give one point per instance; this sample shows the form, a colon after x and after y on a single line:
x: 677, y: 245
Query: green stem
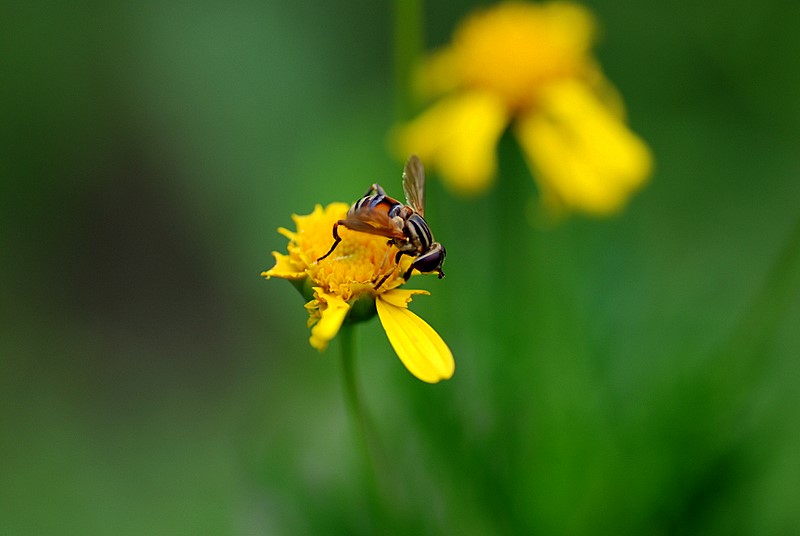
x: 513, y: 244
x: 408, y: 41
x: 351, y: 390
x: 358, y: 416
x: 510, y: 327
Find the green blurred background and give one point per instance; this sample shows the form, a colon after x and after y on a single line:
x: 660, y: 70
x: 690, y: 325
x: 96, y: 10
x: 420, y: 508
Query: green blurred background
x: 152, y: 383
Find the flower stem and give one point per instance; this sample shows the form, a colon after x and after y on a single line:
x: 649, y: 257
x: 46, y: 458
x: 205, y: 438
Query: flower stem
x: 359, y: 417
x: 351, y: 390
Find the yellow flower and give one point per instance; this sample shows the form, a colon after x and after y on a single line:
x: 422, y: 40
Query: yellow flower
x: 342, y: 288
x: 528, y: 65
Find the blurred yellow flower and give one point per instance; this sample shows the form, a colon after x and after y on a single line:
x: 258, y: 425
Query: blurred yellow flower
x: 342, y: 288
x: 528, y: 65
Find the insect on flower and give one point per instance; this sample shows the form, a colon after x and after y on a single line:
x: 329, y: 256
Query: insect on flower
x: 404, y: 225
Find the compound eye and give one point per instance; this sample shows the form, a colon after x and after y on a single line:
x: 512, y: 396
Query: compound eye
x: 430, y: 262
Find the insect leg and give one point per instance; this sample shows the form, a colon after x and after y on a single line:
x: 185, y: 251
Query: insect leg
x: 383, y: 262
x: 336, y: 239
x: 395, y: 267
x: 375, y: 189
x: 384, y: 278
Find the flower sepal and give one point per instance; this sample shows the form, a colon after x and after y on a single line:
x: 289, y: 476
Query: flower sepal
x: 361, y: 309
x: 304, y: 286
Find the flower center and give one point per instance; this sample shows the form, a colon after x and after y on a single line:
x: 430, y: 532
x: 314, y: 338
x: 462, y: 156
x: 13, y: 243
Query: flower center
x: 515, y: 48
x: 357, y: 263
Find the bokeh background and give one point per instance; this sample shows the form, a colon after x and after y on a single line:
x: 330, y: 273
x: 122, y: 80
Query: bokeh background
x: 152, y: 383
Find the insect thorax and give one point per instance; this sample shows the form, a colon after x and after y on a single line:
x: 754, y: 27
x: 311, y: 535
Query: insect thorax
x: 418, y: 232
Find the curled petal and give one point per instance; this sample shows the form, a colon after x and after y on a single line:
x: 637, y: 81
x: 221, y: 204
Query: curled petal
x: 333, y: 311
x: 419, y: 347
x: 401, y: 297
x: 584, y: 157
x: 284, y: 268
x: 457, y: 136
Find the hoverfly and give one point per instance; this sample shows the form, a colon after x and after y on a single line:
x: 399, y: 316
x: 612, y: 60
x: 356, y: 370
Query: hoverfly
x: 377, y: 213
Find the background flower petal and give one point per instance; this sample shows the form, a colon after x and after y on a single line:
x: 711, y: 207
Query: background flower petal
x: 583, y: 156
x: 457, y: 136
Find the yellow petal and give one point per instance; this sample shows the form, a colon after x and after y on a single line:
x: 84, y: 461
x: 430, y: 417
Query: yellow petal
x: 419, y: 347
x: 284, y: 268
x: 584, y: 157
x: 287, y: 233
x: 333, y: 311
x: 573, y: 23
x: 458, y: 136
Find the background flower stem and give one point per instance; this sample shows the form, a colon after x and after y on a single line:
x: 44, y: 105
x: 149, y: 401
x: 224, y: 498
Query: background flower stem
x: 408, y: 41
x: 511, y: 325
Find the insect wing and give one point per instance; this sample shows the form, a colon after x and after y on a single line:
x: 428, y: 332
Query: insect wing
x: 414, y: 184
x: 373, y: 221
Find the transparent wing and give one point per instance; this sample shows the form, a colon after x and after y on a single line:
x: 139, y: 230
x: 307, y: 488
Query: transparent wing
x: 414, y: 184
